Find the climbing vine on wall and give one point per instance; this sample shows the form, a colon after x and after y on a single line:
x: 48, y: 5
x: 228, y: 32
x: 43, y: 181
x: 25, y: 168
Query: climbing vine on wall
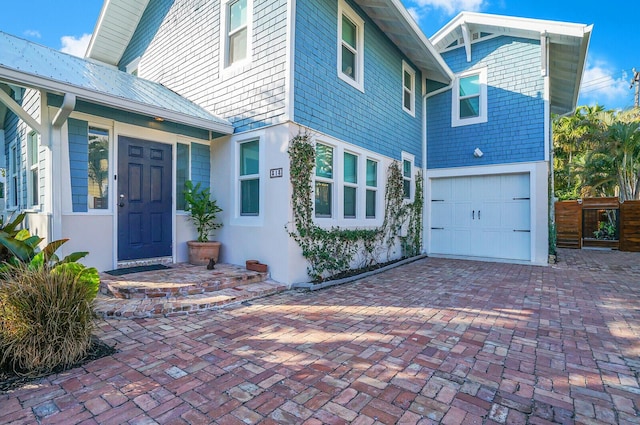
x: 335, y: 250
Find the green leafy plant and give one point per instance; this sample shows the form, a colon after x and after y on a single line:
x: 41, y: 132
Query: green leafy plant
x: 331, y: 251
x: 203, y: 211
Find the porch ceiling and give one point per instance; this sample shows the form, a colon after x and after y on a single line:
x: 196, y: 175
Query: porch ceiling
x: 396, y: 22
x: 568, y: 44
x: 27, y: 64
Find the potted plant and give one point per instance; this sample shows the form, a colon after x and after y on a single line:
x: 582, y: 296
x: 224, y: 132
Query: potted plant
x: 203, y: 212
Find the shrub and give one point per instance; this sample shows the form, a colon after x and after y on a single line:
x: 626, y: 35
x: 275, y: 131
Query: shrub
x: 45, y: 316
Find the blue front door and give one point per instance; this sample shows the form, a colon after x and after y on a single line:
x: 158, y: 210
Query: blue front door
x: 144, y: 199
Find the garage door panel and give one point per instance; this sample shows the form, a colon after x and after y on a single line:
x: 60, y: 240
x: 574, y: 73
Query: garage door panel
x: 501, y: 231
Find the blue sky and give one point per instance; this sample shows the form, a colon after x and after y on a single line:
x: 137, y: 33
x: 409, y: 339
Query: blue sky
x: 67, y: 25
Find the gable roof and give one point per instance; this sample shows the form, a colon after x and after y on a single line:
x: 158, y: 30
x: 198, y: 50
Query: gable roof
x: 27, y: 64
x: 568, y: 44
x: 119, y: 19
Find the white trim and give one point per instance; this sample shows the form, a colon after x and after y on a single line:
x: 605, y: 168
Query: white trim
x: 406, y: 68
x: 249, y: 220
x: 456, y: 121
x: 133, y: 66
x: 225, y: 67
x: 289, y: 65
x: 346, y: 10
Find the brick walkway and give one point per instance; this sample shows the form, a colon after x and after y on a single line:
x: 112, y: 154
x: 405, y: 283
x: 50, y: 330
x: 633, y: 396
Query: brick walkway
x: 433, y: 341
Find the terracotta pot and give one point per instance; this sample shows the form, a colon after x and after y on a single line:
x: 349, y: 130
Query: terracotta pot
x: 201, y: 252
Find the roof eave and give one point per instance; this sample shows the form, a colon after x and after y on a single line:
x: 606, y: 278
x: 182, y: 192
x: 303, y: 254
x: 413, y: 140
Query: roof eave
x: 56, y: 87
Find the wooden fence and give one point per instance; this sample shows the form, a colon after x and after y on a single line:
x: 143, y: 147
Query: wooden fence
x: 571, y: 221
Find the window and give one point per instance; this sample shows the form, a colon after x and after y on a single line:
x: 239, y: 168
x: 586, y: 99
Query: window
x: 372, y: 188
x: 470, y: 98
x: 237, y: 35
x: 250, y: 178
x: 407, y: 176
x: 350, y: 46
x: 33, y: 165
x: 98, y: 168
x: 182, y: 173
x: 14, y: 183
x: 408, y: 89
x: 324, y: 180
x: 350, y: 185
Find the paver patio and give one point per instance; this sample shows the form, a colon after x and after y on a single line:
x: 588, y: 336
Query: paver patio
x: 437, y: 340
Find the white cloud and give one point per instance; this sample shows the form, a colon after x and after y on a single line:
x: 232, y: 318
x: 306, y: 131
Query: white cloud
x: 451, y: 7
x: 33, y: 33
x: 603, y: 85
x: 75, y: 46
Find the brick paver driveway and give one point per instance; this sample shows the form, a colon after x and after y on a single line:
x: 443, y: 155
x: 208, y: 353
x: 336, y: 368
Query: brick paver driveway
x: 433, y: 341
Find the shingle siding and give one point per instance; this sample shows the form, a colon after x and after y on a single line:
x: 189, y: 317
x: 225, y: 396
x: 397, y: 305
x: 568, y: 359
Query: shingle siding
x: 180, y: 46
x: 514, y: 131
x: 200, y: 164
x: 374, y: 119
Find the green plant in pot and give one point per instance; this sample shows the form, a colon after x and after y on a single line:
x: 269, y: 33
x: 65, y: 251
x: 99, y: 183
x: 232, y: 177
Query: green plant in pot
x: 203, y: 212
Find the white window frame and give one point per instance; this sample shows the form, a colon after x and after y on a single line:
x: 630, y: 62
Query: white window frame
x: 133, y: 67
x: 352, y: 185
x: 331, y: 181
x: 237, y: 217
x: 371, y: 188
x: 406, y: 69
x: 456, y: 121
x: 110, y: 172
x: 411, y: 159
x: 13, y: 190
x: 224, y: 35
x: 347, y: 11
x: 33, y: 164
x: 255, y: 176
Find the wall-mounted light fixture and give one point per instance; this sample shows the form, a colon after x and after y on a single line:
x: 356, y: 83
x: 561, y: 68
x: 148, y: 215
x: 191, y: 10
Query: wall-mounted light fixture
x: 478, y: 153
x: 158, y: 119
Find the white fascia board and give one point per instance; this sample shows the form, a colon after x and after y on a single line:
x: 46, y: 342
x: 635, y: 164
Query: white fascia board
x: 112, y: 101
x: 423, y: 38
x: 96, y: 29
x: 524, y: 25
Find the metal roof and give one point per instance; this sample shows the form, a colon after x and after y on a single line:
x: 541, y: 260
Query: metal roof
x: 31, y: 65
x: 568, y: 45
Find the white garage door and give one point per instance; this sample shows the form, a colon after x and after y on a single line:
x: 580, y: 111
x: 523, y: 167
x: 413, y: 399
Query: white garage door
x: 484, y: 216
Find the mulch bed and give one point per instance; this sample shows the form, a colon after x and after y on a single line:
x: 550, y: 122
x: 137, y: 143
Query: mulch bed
x: 10, y: 380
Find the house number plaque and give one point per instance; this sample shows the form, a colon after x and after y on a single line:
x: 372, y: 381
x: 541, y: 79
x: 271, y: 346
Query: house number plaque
x: 275, y: 172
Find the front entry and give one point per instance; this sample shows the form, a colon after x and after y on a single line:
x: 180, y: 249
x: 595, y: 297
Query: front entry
x: 144, y: 199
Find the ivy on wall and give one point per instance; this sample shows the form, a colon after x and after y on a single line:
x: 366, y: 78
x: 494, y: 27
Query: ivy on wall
x: 333, y: 251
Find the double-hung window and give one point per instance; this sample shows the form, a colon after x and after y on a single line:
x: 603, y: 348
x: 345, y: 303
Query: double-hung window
x: 250, y: 178
x: 324, y: 181
x: 408, y: 89
x: 470, y: 98
x: 98, y: 168
x: 407, y: 176
x: 350, y: 189
x: 33, y: 165
x: 14, y: 184
x: 372, y: 188
x: 237, y: 34
x: 350, y: 46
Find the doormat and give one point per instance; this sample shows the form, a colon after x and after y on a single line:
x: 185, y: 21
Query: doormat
x: 137, y: 269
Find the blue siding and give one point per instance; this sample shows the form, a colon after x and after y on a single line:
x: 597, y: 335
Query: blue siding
x: 78, y: 163
x: 200, y: 164
x: 374, y: 119
x: 514, y: 131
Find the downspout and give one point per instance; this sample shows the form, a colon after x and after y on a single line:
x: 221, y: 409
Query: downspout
x: 68, y: 105
x: 427, y: 193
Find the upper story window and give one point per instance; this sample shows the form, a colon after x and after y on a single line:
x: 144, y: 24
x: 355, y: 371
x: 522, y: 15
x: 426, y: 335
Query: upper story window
x: 350, y: 46
x: 33, y: 165
x: 408, y: 89
x: 470, y: 98
x: 98, y: 169
x: 250, y: 178
x: 324, y: 181
x: 237, y: 31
